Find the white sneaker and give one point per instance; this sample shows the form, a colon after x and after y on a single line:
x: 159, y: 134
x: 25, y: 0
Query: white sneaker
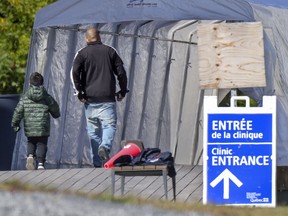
x: 30, y: 163
x: 40, y: 166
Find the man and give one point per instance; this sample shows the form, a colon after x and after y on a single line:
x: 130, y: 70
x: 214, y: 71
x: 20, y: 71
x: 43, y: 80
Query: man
x: 93, y: 77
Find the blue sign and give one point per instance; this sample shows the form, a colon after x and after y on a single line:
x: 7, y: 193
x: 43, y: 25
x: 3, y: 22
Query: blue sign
x: 239, y: 159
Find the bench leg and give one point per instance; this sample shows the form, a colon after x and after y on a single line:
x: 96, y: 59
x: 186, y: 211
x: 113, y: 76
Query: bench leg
x: 122, y: 184
x: 113, y: 182
x: 174, y: 188
x: 164, y: 172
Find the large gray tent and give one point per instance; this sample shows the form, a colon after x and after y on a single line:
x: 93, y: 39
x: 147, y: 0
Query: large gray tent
x: 157, y: 40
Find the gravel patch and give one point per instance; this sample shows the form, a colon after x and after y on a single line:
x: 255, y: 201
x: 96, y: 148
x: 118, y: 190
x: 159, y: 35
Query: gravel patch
x: 54, y: 204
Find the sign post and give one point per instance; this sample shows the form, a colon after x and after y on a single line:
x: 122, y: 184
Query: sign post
x: 239, y: 153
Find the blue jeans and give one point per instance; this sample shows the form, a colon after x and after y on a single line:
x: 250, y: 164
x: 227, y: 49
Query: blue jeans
x: 101, y: 127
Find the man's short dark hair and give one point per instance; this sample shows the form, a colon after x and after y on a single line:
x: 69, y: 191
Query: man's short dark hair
x: 36, y: 79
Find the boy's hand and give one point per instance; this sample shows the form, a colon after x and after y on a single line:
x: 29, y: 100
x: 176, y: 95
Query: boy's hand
x: 16, y: 129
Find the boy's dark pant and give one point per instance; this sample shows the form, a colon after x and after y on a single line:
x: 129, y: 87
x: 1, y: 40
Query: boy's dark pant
x: 37, y: 146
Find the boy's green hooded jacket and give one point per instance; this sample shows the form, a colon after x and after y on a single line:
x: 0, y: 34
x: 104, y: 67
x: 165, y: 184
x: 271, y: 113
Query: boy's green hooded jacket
x: 35, y: 107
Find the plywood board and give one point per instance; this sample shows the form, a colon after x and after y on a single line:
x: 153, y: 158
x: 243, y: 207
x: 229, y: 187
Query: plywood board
x: 231, y: 55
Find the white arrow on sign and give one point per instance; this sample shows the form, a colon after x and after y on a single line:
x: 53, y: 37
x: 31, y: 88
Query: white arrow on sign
x: 226, y: 175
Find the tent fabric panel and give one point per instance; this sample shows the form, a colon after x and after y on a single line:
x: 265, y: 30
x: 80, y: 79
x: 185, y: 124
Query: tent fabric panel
x: 64, y: 13
x: 189, y: 110
x: 272, y: 3
x: 276, y: 21
x: 155, y: 68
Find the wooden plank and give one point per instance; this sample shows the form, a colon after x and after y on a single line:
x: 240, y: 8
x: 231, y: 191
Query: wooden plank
x: 130, y: 184
x: 61, y: 180
x: 3, y: 173
x: 72, y: 179
x: 196, y: 195
x: 18, y: 175
x: 122, y: 168
x: 39, y: 180
x: 159, y: 192
x: 88, y: 183
x: 7, y: 175
x: 160, y: 189
x: 181, y: 176
x: 49, y: 180
x: 31, y: 176
x: 141, y: 170
x: 231, y: 55
x: 155, y: 187
x: 139, y: 188
x: 100, y: 184
x: 193, y: 190
x: 91, y: 180
x: 182, y: 190
x: 82, y: 178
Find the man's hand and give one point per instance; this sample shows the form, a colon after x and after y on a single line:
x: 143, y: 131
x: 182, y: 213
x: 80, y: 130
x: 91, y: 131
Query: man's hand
x: 120, y: 95
x: 82, y: 97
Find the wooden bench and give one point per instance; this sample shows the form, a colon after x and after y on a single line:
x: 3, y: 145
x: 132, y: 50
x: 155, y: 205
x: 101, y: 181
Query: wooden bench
x: 143, y: 170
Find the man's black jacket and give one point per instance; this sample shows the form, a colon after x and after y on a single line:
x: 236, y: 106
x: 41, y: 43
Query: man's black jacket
x: 93, y: 73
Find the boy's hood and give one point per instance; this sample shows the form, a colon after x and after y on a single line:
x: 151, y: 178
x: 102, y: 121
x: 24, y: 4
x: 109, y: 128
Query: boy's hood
x: 36, y: 93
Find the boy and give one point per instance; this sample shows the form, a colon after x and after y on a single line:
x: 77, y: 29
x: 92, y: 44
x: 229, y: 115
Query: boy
x: 35, y: 107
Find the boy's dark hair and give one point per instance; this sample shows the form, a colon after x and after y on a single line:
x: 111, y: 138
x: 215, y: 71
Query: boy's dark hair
x: 36, y: 79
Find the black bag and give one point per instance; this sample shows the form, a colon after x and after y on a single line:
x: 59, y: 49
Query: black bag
x: 145, y: 155
x: 161, y: 158
x: 154, y: 156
